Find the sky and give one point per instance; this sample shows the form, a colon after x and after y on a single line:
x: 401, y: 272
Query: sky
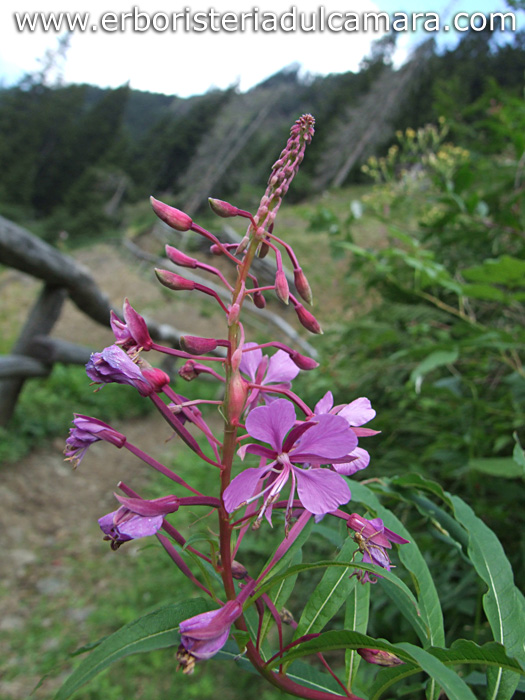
x: 190, y: 62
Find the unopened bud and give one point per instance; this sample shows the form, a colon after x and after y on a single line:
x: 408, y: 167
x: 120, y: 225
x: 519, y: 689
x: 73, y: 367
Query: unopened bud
x: 197, y: 346
x: 302, y: 286
x: 238, y: 570
x: 236, y: 359
x: 234, y: 313
x: 303, y: 362
x: 259, y: 300
x: 264, y: 249
x: 222, y: 208
x: 179, y: 258
x: 308, y: 320
x: 281, y: 287
x: 173, y: 281
x: 216, y: 249
x: 175, y: 218
x: 381, y: 658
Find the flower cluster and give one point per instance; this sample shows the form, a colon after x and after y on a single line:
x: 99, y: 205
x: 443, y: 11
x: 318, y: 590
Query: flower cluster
x: 277, y: 457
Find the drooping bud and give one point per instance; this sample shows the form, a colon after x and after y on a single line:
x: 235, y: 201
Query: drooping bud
x: 264, y: 249
x: 196, y: 345
x: 216, y: 249
x: 302, y: 361
x: 307, y: 319
x: 379, y: 657
x: 259, y: 300
x: 174, y: 281
x: 238, y: 570
x: 302, y: 286
x: 281, y: 287
x: 175, y: 218
x: 179, y: 258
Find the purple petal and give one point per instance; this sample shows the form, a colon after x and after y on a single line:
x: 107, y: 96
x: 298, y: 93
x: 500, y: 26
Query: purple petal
x: 106, y: 522
x: 358, y: 412
x: 260, y: 450
x: 138, y: 526
x: 320, y: 490
x: 271, y: 423
x: 361, y: 461
x: 250, y: 361
x: 243, y: 487
x: 329, y: 439
x: 325, y: 404
x: 393, y: 537
x: 376, y: 555
x: 281, y: 368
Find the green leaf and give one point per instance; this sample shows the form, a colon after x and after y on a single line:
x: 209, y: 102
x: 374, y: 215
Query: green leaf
x: 329, y: 595
x: 436, y: 359
x: 501, y: 602
x: 356, y: 619
x: 505, y: 270
x: 454, y: 686
x: 504, y: 467
x: 311, y: 677
x: 157, y: 630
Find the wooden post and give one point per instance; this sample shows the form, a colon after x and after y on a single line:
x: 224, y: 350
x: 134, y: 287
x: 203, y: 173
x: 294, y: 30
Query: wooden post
x: 40, y: 322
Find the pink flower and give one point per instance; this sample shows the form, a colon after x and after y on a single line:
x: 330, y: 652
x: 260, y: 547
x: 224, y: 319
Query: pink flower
x: 276, y: 372
x: 114, y: 365
x: 356, y: 413
x: 325, y: 439
x: 204, y: 635
x: 136, y: 518
x: 373, y: 539
x: 87, y: 431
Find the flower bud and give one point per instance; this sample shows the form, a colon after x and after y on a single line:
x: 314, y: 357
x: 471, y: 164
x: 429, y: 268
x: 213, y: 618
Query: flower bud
x: 264, y: 249
x: 173, y: 281
x: 197, y: 346
x: 175, y: 218
x: 222, y: 208
x: 308, y: 320
x: 281, y: 287
x: 179, y: 258
x: 234, y: 313
x: 238, y: 570
x: 302, y: 286
x: 381, y: 658
x: 303, y: 362
x: 259, y: 300
x: 215, y: 249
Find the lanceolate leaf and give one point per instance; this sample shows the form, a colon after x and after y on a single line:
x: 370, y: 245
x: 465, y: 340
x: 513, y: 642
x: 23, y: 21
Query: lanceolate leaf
x: 356, y: 619
x: 329, y: 595
x: 502, y: 602
x: 157, y: 630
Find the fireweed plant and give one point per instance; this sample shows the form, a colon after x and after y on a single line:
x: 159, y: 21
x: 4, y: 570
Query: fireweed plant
x: 301, y: 459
